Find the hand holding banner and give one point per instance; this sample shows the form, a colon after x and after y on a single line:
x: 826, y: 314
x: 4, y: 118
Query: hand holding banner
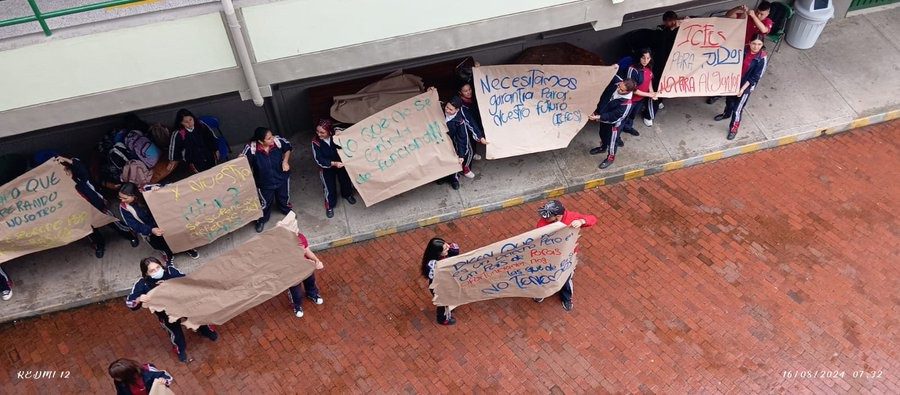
x: 706, y: 59
x: 535, y: 108
x: 399, y: 148
x: 201, y: 208
x: 535, y: 264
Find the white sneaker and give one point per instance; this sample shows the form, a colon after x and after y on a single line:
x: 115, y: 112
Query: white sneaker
x: 298, y: 313
x: 7, y: 295
x: 476, y: 157
x: 648, y: 122
x: 316, y: 300
x: 469, y: 174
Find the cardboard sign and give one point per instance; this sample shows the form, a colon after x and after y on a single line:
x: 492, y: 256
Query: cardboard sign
x: 237, y: 280
x: 706, y: 59
x: 535, y: 264
x: 208, y: 205
x: 398, y: 149
x: 534, y: 108
x: 41, y: 210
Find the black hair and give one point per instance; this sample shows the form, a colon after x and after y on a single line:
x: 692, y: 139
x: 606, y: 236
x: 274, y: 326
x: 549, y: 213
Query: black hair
x: 260, y: 133
x: 636, y: 63
x: 145, y: 264
x: 629, y: 84
x: 433, y: 251
x: 124, y: 370
x: 180, y: 116
x: 764, y: 6
x: 669, y: 16
x: 129, y: 189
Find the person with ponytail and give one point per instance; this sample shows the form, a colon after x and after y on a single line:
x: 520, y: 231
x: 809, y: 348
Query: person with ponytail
x: 435, y: 250
x: 269, y: 156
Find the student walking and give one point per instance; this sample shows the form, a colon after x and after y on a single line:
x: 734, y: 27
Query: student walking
x: 553, y: 211
x: 643, y: 99
x: 269, y: 156
x: 754, y: 66
x: 139, y: 219
x: 192, y: 142
x: 458, y: 131
x: 435, y: 250
x: 331, y: 169
x: 611, y: 114
x: 133, y: 378
x: 154, y: 272
x: 309, y: 284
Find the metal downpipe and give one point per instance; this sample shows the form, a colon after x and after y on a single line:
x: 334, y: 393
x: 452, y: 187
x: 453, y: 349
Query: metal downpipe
x: 243, y: 55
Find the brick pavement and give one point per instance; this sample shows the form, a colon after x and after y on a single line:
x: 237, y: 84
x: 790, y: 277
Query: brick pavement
x: 716, y: 278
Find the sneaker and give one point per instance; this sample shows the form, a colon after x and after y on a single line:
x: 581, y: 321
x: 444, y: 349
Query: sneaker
x: 648, y: 122
x: 298, y: 312
x: 169, y: 259
x: 210, y: 333
x: 607, y: 162
x: 194, y: 254
x: 7, y: 295
x: 632, y: 132
x: 733, y: 131
x: 454, y: 184
x: 260, y: 226
x: 720, y: 117
x: 537, y: 300
x: 567, y: 304
x: 598, y: 150
x: 134, y: 242
x: 182, y: 356
x: 351, y: 200
x: 620, y: 143
x: 290, y: 206
x: 316, y: 299
x: 329, y: 213
x: 451, y: 321
x: 99, y: 251
x: 469, y: 174
x: 712, y: 99
x: 476, y: 157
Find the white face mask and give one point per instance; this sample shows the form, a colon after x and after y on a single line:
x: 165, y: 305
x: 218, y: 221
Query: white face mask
x: 189, y: 130
x: 158, y: 274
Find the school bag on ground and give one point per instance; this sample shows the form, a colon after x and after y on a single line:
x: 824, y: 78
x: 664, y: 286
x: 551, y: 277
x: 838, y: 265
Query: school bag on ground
x: 135, y: 171
x: 142, y: 148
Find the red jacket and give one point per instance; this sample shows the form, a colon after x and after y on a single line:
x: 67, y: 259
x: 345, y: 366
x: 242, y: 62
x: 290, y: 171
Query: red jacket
x: 568, y: 217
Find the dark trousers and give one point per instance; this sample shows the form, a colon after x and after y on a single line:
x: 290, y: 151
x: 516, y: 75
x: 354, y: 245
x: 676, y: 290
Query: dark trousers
x: 734, y: 107
x: 159, y: 244
x: 330, y: 178
x: 311, y: 290
x: 4, y: 281
x: 176, y: 333
x: 443, y: 312
x: 609, y: 135
x: 566, y: 292
x: 271, y: 197
x: 99, y: 242
x: 644, y: 107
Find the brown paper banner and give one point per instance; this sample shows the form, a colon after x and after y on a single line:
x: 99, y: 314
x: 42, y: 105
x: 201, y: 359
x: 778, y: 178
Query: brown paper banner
x: 201, y: 208
x: 398, y: 149
x: 534, y: 108
x: 41, y: 210
x: 534, y: 264
x: 236, y: 281
x: 706, y: 58
x: 160, y: 389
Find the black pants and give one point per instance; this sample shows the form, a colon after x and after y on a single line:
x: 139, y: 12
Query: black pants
x: 639, y: 107
x: 99, y: 242
x: 176, y: 333
x: 443, y: 312
x: 609, y: 135
x: 566, y: 292
x: 271, y: 197
x: 734, y: 107
x: 311, y: 290
x: 4, y: 281
x: 159, y: 244
x: 330, y: 178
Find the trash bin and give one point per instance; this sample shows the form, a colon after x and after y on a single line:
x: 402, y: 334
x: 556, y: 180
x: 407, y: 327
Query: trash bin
x: 809, y: 19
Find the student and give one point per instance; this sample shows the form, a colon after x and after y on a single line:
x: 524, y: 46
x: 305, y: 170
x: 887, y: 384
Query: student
x: 554, y: 211
x: 5, y: 286
x: 610, y: 115
x: 332, y: 171
x: 83, y: 185
x: 269, y: 156
x: 192, y: 142
x: 154, y: 272
x: 435, y: 250
x: 459, y: 135
x: 312, y: 291
x: 131, y: 378
x: 758, y: 23
x: 641, y: 72
x: 754, y: 67
x: 140, y: 220
x: 469, y: 110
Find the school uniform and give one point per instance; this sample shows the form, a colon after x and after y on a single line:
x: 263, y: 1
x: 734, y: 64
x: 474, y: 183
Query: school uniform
x: 196, y: 147
x: 568, y: 216
x: 176, y: 333
x: 612, y: 113
x: 443, y: 313
x: 643, y: 78
x: 325, y: 152
x: 309, y: 284
x: 754, y: 66
x: 149, y: 373
x: 272, y: 182
x: 84, y: 187
x: 141, y: 221
x: 5, y: 284
x: 472, y: 119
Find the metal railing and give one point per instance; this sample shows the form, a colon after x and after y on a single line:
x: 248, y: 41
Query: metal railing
x: 41, y: 17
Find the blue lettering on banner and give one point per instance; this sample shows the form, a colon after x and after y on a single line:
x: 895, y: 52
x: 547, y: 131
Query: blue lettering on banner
x: 512, y: 98
x: 723, y: 55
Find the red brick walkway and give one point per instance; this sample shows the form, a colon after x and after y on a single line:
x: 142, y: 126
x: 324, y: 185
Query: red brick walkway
x: 716, y: 278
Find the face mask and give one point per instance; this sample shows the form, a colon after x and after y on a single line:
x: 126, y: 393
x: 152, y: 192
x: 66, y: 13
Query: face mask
x: 158, y: 274
x: 449, y: 117
x: 189, y: 130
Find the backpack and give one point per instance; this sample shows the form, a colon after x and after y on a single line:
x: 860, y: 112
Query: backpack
x: 160, y: 135
x: 135, y: 171
x: 624, y: 64
x: 222, y: 145
x: 110, y: 139
x: 116, y: 158
x: 142, y: 148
